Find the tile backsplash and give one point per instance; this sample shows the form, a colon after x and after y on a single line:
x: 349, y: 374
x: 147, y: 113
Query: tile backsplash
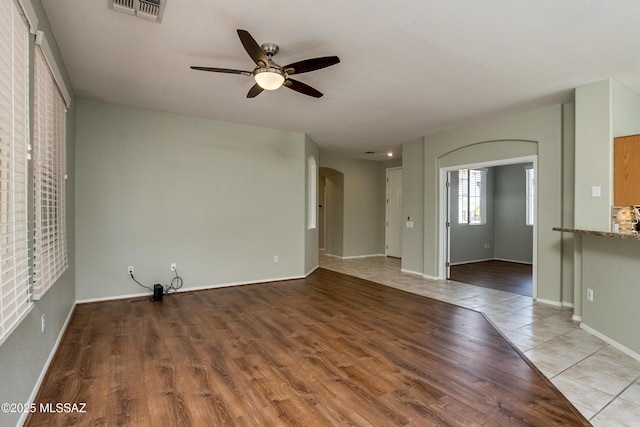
x: 624, y: 216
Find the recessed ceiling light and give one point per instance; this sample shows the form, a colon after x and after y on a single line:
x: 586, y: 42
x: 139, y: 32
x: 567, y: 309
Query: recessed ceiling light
x: 389, y: 154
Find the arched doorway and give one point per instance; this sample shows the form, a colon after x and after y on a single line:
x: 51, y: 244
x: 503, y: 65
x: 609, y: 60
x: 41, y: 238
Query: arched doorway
x: 331, y: 212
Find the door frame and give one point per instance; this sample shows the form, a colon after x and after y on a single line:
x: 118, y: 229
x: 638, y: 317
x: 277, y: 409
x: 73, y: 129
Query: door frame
x: 444, y: 253
x: 386, y: 212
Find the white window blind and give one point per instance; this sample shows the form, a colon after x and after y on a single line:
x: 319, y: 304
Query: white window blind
x: 530, y: 196
x: 472, y: 196
x: 49, y: 155
x: 15, y: 300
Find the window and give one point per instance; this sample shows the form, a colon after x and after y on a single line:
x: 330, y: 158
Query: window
x: 49, y: 168
x: 15, y: 300
x: 531, y: 194
x: 472, y: 196
x: 312, y: 192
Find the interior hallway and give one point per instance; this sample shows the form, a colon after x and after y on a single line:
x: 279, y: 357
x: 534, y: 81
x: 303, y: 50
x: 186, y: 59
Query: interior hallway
x: 601, y: 381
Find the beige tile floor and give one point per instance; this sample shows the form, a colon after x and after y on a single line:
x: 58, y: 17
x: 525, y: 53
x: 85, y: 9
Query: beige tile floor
x: 602, y: 382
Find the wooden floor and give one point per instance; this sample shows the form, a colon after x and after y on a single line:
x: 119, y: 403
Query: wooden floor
x: 501, y: 275
x: 329, y: 350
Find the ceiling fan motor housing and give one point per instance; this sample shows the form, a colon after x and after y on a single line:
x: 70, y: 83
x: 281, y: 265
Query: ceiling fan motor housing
x: 271, y: 49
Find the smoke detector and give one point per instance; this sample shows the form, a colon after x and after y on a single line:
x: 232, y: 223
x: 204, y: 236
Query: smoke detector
x: 146, y: 9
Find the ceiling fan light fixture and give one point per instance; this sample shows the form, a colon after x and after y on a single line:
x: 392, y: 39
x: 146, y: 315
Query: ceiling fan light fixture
x: 269, y: 78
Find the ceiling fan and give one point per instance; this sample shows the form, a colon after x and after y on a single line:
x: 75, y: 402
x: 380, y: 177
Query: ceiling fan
x: 271, y: 76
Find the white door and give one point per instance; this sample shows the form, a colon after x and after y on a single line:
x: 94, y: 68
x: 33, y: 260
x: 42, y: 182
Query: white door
x: 394, y: 213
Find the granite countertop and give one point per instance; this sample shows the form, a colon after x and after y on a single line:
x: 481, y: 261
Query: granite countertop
x: 603, y: 233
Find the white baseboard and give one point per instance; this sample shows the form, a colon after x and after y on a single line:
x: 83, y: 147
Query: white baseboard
x: 308, y: 273
x: 363, y: 256
x: 549, y: 302
x: 45, y: 368
x: 413, y: 273
x: 192, y: 288
x: 576, y: 318
x: 426, y: 276
x: 490, y: 259
x: 515, y: 261
x: 611, y: 342
x: 554, y: 303
x: 471, y: 261
x: 355, y: 256
x: 113, y: 298
x: 333, y: 256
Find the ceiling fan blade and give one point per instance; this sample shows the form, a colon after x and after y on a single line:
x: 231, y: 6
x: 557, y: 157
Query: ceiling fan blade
x: 311, y: 64
x: 222, y: 70
x: 302, y: 88
x: 254, y: 91
x: 253, y: 49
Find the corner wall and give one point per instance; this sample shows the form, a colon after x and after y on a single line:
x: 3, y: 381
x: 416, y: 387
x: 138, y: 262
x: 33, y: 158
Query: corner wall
x: 363, y: 220
x: 594, y: 155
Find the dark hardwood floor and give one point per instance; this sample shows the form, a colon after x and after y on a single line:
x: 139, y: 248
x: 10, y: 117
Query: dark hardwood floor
x: 328, y: 350
x: 501, y: 275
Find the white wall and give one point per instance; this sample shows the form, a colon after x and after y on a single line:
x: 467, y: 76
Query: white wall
x: 219, y: 199
x: 625, y: 115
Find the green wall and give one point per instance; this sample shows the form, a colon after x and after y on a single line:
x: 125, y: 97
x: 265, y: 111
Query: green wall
x: 362, y: 216
x: 413, y: 206
x: 609, y: 266
x: 536, y: 132
x: 219, y: 199
x: 311, y: 235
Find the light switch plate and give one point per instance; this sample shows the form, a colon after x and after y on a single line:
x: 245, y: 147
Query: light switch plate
x: 595, y: 191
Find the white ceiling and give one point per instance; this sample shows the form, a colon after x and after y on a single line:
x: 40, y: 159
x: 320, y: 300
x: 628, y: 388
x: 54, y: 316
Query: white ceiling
x: 408, y: 68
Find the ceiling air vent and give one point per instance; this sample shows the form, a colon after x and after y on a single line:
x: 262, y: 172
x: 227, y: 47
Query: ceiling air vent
x: 147, y: 9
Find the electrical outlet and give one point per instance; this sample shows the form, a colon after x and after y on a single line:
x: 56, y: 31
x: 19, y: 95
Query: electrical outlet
x: 275, y: 258
x: 173, y: 266
x: 43, y: 324
x: 130, y: 269
x: 589, y: 294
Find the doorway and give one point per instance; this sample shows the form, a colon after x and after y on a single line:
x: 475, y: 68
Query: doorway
x: 489, y: 224
x: 331, y: 213
x: 393, y: 222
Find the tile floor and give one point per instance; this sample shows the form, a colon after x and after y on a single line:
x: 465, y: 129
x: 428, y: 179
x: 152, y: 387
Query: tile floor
x: 601, y: 381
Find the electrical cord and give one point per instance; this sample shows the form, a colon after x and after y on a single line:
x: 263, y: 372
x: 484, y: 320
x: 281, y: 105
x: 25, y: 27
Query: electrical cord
x: 135, y: 280
x: 176, y: 283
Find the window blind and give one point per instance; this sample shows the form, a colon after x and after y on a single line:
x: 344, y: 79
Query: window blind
x: 530, y: 195
x: 49, y: 155
x: 15, y: 300
x: 472, y: 196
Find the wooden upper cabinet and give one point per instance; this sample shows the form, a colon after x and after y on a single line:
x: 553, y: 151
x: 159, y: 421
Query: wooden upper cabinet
x: 626, y: 170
